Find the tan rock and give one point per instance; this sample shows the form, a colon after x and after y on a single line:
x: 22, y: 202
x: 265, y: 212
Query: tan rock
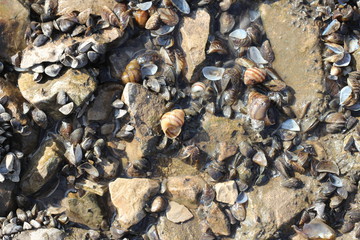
x: 43, y: 166
x: 47, y: 233
x: 298, y: 57
x: 356, y: 57
x: 185, y: 189
x: 96, y: 6
x: 192, y: 42
x: 226, y: 192
x: 101, y: 108
x: 217, y: 220
x: 226, y: 150
x: 189, y: 230
x: 14, y: 19
x: 178, y: 213
x: 129, y: 197
x: 77, y: 84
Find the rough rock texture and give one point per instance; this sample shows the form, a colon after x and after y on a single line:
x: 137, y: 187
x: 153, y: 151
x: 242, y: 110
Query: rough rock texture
x: 6, y: 197
x: 269, y: 209
x: 14, y: 19
x: 356, y: 56
x: 146, y: 109
x: 77, y: 84
x: 43, y: 166
x: 101, y: 108
x: 186, y: 190
x: 84, y: 210
x: 129, y: 197
x: 41, y: 234
x: 226, y: 192
x: 81, y: 5
x: 305, y: 75
x: 178, y: 213
x: 217, y: 220
x: 192, y: 42
x: 51, y: 51
x: 189, y: 230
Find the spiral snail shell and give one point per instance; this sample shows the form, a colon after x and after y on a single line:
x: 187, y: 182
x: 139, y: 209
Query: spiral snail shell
x: 258, y: 105
x: 254, y: 75
x: 171, y: 123
x: 132, y: 72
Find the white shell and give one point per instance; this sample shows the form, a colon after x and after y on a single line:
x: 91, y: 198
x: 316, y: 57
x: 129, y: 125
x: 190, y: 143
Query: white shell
x: 344, y: 94
x: 335, y: 181
x: 213, y: 73
x: 239, y: 34
x: 67, y: 108
x: 242, y: 198
x: 352, y: 43
x: 345, y: 61
x: 331, y: 28
x: 53, y: 69
x: 291, y: 125
x: 255, y: 55
x: 149, y: 69
x: 336, y: 48
x: 144, y: 5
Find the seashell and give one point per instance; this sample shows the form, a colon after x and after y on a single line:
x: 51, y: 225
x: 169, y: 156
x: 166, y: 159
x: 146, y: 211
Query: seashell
x: 335, y: 38
x: 267, y: 52
x: 141, y: 17
x: 239, y: 38
x: 217, y: 46
x: 171, y: 123
x: 110, y: 16
x: 327, y: 167
x: 228, y: 97
x: 65, y: 24
x: 227, y: 22
x: 345, y: 61
x: 39, y: 117
x: 153, y: 22
x: 258, y: 105
x: 167, y: 41
x: 67, y: 108
x: 181, y: 5
x: 347, y: 227
x: 93, y: 56
x: 227, y: 111
x: 181, y: 64
x: 85, y: 46
x: 120, y: 8
x: 233, y: 76
x: 216, y: 171
x: 158, y: 204
x: 260, y: 159
x: 80, y: 61
x: 148, y: 57
x: 40, y: 40
x: 291, y: 125
x: 47, y: 28
x: 335, y: 201
x: 213, y: 73
x: 335, y: 181
x: 144, y: 5
x: 38, y: 77
x: 53, y: 70
x: 242, y: 198
x: 331, y: 28
x: 132, y: 72
x: 245, y: 62
x: 254, y: 34
x: 238, y: 211
x: 336, y: 48
x: 275, y: 85
x: 168, y: 16
x: 149, y: 69
x: 351, y: 44
x: 197, y: 89
x: 254, y: 76
x: 292, y: 183
x: 99, y: 48
x: 255, y: 55
x: 163, y: 30
x: 347, y: 97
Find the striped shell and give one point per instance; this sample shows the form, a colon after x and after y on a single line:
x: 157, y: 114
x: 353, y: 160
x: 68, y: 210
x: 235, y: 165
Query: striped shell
x: 171, y: 123
x: 258, y: 105
x: 198, y: 87
x: 168, y: 16
x: 132, y: 72
x: 254, y: 75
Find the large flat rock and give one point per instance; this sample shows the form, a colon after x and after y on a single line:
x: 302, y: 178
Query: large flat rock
x: 96, y: 6
x: 297, y: 53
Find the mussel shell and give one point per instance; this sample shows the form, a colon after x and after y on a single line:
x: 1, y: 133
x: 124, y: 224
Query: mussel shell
x: 327, y: 167
x: 168, y: 16
x: 40, y: 40
x: 217, y: 46
x: 267, y: 52
x: 227, y: 22
x: 258, y: 105
x: 153, y: 22
x: 181, y: 5
x: 53, y: 70
x: 47, y: 28
x: 141, y: 17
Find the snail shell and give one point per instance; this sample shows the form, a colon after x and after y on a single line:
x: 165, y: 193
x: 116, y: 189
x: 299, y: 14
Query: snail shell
x: 197, y: 89
x: 141, y: 17
x: 254, y: 75
x: 258, y: 105
x: 171, y: 123
x: 168, y: 16
x: 132, y: 72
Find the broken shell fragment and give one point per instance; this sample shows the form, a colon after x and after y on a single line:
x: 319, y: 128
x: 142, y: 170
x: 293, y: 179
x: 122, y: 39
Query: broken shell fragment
x: 327, y: 167
x: 213, y: 73
x: 171, y: 123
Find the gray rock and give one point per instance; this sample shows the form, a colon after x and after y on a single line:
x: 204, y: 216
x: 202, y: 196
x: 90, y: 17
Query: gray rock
x: 145, y: 109
x: 178, y: 213
x: 101, y: 108
x: 43, y: 233
x: 43, y: 166
x: 78, y: 85
x: 129, y: 197
x: 6, y: 197
x: 12, y: 28
x: 190, y: 230
x: 226, y: 192
x: 192, y: 42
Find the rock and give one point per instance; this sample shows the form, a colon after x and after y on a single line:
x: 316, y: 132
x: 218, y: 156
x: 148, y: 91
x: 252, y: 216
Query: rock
x: 52, y: 51
x: 146, y: 109
x: 226, y: 192
x: 6, y: 197
x: 226, y: 151
x: 189, y: 230
x: 356, y: 57
x: 43, y: 233
x: 84, y: 210
x: 101, y: 108
x: 217, y: 220
x: 185, y: 190
x: 270, y: 207
x: 96, y: 6
x: 77, y: 84
x: 79, y: 233
x: 194, y: 43
x: 178, y: 213
x: 129, y: 197
x: 305, y: 74
x: 43, y: 166
x: 14, y: 19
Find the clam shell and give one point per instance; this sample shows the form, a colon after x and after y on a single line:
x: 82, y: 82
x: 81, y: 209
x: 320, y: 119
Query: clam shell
x: 291, y: 125
x: 213, y: 73
x: 144, y: 5
x: 255, y: 55
x: 258, y: 104
x: 327, y: 167
x: 254, y: 75
x: 171, y: 123
x: 181, y: 5
x: 227, y: 22
x: 168, y: 16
